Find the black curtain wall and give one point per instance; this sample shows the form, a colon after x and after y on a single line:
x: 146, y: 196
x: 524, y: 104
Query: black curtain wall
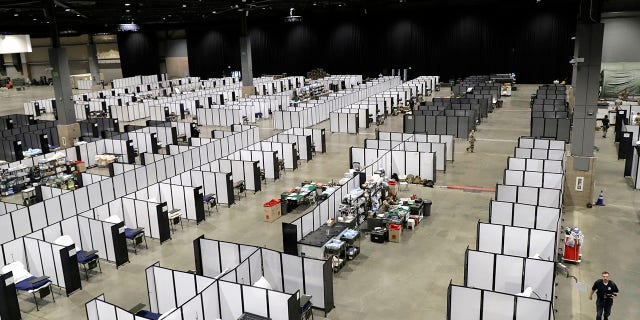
x: 533, y: 42
x: 138, y: 53
x: 214, y: 53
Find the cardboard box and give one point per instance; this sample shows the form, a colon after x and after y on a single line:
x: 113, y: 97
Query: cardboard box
x: 395, y: 233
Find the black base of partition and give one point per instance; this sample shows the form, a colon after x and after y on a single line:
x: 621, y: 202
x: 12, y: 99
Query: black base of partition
x: 308, y: 151
x: 628, y: 163
x: 324, y: 142
x: 621, y: 121
x: 327, y: 271
x: 131, y: 153
x: 197, y: 253
x: 163, y: 222
x: 293, y: 306
x: 230, y: 194
x: 197, y: 195
x: 625, y: 147
x: 70, y: 270
x: 276, y: 167
x: 256, y: 177
x: 119, y: 244
x: 290, y: 238
x: 9, y: 307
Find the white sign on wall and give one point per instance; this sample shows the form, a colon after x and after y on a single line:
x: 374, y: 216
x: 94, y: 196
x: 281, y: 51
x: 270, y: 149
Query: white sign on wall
x: 579, y: 183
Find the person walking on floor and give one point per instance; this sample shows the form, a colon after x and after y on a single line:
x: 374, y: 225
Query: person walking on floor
x: 606, y: 290
x: 471, y: 140
x: 605, y: 126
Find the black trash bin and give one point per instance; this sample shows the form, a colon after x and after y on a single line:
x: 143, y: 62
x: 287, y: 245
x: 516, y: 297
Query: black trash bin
x: 426, y: 207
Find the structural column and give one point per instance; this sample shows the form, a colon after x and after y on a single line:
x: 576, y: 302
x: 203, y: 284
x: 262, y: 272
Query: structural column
x: 92, y: 53
x: 581, y: 165
x: 68, y: 128
x: 245, y: 60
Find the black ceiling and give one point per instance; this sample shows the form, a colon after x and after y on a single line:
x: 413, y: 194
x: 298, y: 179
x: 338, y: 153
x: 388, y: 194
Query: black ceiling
x: 81, y: 16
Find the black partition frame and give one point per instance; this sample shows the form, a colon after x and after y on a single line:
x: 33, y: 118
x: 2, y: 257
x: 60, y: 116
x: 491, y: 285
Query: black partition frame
x: 9, y: 307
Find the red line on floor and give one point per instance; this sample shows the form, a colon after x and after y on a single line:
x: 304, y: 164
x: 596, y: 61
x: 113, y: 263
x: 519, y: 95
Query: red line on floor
x: 472, y: 188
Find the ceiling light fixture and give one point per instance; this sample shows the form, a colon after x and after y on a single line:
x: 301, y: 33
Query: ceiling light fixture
x: 291, y: 17
x: 128, y: 27
x: 127, y: 4
x: 67, y: 10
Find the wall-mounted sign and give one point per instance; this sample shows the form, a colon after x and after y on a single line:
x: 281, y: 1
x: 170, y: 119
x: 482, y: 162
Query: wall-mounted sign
x: 579, y: 183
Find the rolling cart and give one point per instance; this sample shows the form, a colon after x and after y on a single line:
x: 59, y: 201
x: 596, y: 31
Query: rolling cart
x: 573, y: 241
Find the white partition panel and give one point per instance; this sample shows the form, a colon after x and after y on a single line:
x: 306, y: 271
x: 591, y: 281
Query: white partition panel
x: 293, y: 275
x: 501, y: 212
x: 164, y: 289
x: 38, y: 216
x: 6, y: 230
x: 185, y: 287
x: 229, y: 255
x: 21, y: 222
x: 506, y: 193
x: 528, y: 195
x: 465, y: 303
x: 272, y: 268
x: 508, y: 273
x: 230, y: 300
x: 515, y: 241
x: 106, y: 311
x: 524, y: 215
x: 314, y: 280
x: 550, y: 198
x: 543, y: 243
x: 517, y: 164
x: 53, y: 209
x: 548, y: 218
x: 192, y: 309
x: 497, y: 306
x: 151, y: 287
x: 255, y: 300
x: 278, y: 305
x: 539, y: 276
x: 513, y: 178
x: 490, y: 238
x: 532, y: 309
x: 479, y: 270
x: 32, y: 253
x: 210, y: 302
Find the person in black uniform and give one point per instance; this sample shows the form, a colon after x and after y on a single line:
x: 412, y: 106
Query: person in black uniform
x: 605, y: 126
x: 606, y: 290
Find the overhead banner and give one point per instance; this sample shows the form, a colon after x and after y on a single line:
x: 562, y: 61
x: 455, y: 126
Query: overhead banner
x: 15, y: 43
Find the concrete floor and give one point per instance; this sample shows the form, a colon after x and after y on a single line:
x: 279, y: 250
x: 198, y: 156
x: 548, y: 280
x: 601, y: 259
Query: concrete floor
x: 406, y: 280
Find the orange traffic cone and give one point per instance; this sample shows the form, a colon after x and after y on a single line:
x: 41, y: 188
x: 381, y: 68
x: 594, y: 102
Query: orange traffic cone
x: 600, y: 201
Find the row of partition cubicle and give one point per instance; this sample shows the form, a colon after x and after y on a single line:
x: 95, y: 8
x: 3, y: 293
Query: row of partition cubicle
x: 365, y: 113
x: 511, y: 273
x: 177, y: 180
x: 627, y: 134
x: 458, y: 115
x: 98, y: 215
x: 550, y: 116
